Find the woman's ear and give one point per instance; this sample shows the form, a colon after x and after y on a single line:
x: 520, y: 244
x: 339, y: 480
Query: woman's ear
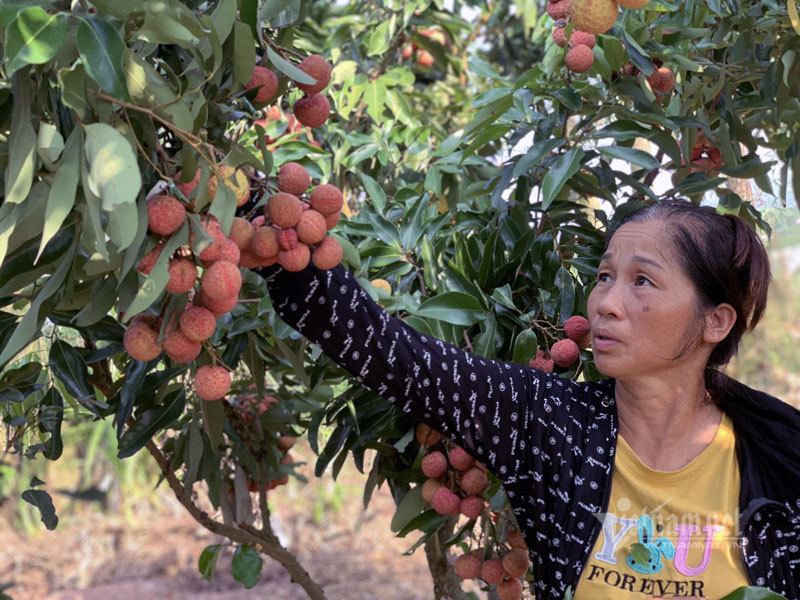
x: 719, y: 321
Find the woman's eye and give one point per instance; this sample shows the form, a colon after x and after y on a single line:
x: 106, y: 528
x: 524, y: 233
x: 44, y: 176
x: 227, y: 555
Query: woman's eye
x: 641, y: 280
x: 603, y: 276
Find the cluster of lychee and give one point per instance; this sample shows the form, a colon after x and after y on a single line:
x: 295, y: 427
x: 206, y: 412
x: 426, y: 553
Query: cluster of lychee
x: 423, y: 57
x: 313, y: 108
x: 295, y: 225
x: 566, y: 352
x: 454, y: 487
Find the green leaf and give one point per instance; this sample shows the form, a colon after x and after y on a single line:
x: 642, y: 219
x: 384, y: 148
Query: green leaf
x: 565, y: 167
x: 44, y: 503
x: 631, y: 155
x: 208, y: 561
x: 456, y: 308
x: 68, y: 365
x: 102, y: 50
x: 51, y: 415
x: 409, y: 507
x: 49, y: 144
x: 753, y: 593
x: 246, y: 566
x: 21, y: 145
x: 536, y: 153
x: 244, y: 48
x: 17, y: 272
x: 525, y: 346
x: 289, y: 69
x: 34, y: 37
x: 374, y: 192
x: 151, y: 421
x: 379, y: 39
x: 114, y: 174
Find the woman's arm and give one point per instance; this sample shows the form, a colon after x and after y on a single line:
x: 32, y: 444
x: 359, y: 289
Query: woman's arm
x: 486, y: 406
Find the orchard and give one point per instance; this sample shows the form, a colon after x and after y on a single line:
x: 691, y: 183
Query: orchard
x: 462, y: 159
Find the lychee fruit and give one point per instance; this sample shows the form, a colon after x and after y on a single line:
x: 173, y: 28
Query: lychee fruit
x: 217, y: 307
x: 662, y: 80
x: 312, y: 227
x: 331, y: 220
x: 471, y: 506
x: 558, y: 10
x: 426, y: 435
x: 287, y: 239
x: 213, y: 228
x: 579, y: 59
x: 293, y: 178
x: 515, y: 562
x: 581, y: 38
x: 559, y: 37
x: 266, y: 81
x: 313, y: 110
x: 241, y: 232
x: 180, y: 348
x: 467, y: 566
x: 436, y: 35
x: 594, y: 16
x: 234, y: 179
x: 165, y: 214
x: 264, y: 242
x: 634, y: 4
x: 425, y: 58
x: 408, y: 51
x: 197, y: 323
x: 474, y: 481
x: 259, y: 221
x: 460, y: 459
x: 565, y: 352
x: 187, y: 187
x: 284, y: 209
x: 141, y: 342
x: 182, y: 275
x: 445, y: 502
x: 296, y: 259
x: 326, y: 199
x: 577, y: 327
x: 320, y: 69
x: 492, y: 571
x: 221, y: 280
x: 434, y: 464
x: 510, y: 589
x: 542, y: 363
x: 327, y: 254
x: 285, y: 442
x: 230, y: 252
x: 212, y: 382
x: 515, y: 539
x: 149, y: 260
x: 429, y: 489
x: 248, y: 260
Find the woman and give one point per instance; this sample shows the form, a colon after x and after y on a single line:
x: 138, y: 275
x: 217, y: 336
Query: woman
x: 668, y: 478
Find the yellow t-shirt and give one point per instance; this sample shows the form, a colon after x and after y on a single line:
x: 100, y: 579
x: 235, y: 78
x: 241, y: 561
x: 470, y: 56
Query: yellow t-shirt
x: 669, y: 533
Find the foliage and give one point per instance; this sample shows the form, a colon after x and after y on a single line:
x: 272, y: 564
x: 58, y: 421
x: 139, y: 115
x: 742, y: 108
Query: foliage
x: 479, y: 187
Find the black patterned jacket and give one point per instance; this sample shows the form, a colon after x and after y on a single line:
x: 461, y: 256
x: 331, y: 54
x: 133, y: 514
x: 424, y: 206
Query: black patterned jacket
x: 549, y: 440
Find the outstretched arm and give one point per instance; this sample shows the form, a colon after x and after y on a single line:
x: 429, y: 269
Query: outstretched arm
x: 486, y: 406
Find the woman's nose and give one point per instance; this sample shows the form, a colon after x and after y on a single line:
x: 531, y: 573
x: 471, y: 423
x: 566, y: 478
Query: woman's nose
x: 609, y: 303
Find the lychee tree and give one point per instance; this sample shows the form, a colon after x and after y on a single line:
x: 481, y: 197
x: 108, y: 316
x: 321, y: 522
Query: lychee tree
x: 155, y: 152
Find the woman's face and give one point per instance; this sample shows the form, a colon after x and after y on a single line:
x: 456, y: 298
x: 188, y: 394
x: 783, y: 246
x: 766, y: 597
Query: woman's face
x: 642, y: 305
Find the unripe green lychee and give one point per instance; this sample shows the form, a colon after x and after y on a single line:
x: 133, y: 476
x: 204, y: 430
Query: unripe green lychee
x: 284, y: 209
x: 429, y: 489
x: 180, y: 348
x: 474, y: 481
x: 559, y: 37
x: 460, y: 459
x: 510, y: 589
x: 293, y: 178
x: 515, y: 539
x: 579, y: 59
x: 165, y: 214
x: 515, y: 562
x: 467, y: 566
x: 264, y: 242
x: 241, y: 232
x: 434, y: 464
x: 326, y: 199
x: 197, y: 323
x: 445, y: 502
x: 266, y: 81
x: 594, y: 16
x: 320, y: 69
x: 313, y: 110
x: 287, y: 239
x: 327, y: 254
x: 311, y: 228
x: 472, y: 506
x: 558, y: 10
x: 141, y: 342
x: 182, y: 275
x: 212, y: 382
x: 577, y: 327
x: 296, y: 259
x: 426, y: 435
x: 221, y: 280
x: 565, y: 352
x: 149, y: 260
x: 492, y: 571
x: 542, y: 363
x: 581, y: 38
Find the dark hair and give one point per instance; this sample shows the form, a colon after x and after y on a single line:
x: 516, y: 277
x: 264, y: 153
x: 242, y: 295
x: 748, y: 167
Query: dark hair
x: 726, y: 261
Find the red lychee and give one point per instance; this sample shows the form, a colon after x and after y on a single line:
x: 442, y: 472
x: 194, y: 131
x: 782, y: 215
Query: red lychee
x: 217, y: 307
x: 182, y: 275
x: 141, y: 342
x: 266, y: 81
x: 284, y: 209
x: 293, y: 178
x: 434, y: 465
x: 581, y: 38
x: 559, y: 37
x: 577, y: 327
x: 296, y: 259
x: 180, y: 348
x: 565, y: 352
x: 426, y: 435
x: 510, y: 589
x: 662, y: 80
x: 230, y: 252
x: 579, y: 59
x: 326, y: 199
x: 197, y: 323
x: 542, y: 363
x: 331, y: 220
x: 515, y: 562
x: 460, y: 459
x: 429, y: 489
x: 515, y: 539
x: 212, y: 382
x: 467, y: 566
x: 213, y: 228
x: 186, y: 188
x: 327, y: 254
x: 241, y: 232
x: 320, y: 69
x: 594, y: 16
x: 311, y: 228
x: 558, y: 10
x: 445, y: 502
x: 285, y: 442
x: 149, y: 260
x: 425, y: 58
x: 264, y: 242
x: 313, y: 110
x: 492, y: 571
x: 474, y: 481
x: 471, y: 506
x: 287, y: 239
x: 165, y: 214
x: 221, y: 280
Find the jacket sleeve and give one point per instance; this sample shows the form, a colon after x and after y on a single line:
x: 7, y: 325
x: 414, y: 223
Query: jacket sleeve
x: 486, y: 406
